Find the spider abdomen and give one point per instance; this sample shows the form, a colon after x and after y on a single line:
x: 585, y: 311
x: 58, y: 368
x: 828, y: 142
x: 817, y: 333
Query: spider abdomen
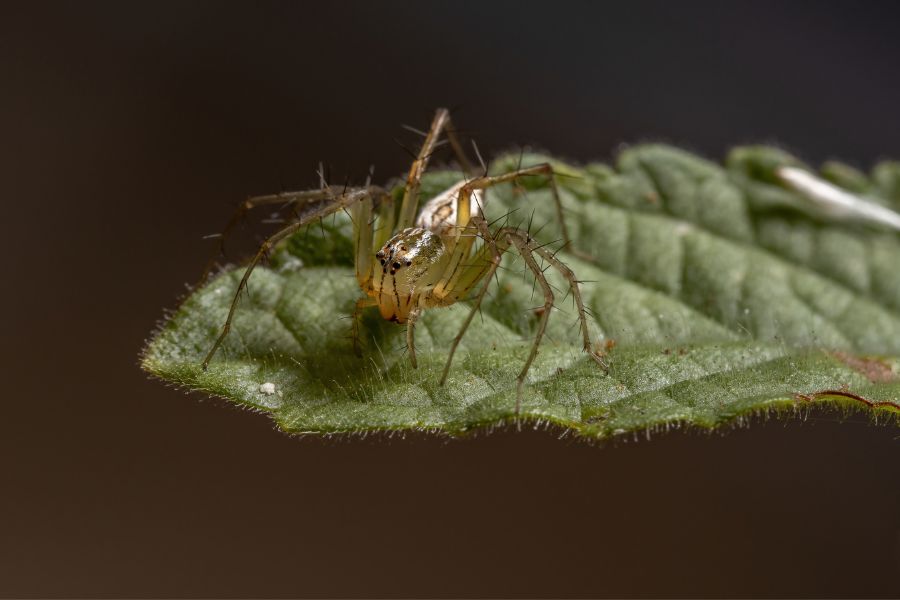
x: 439, y: 213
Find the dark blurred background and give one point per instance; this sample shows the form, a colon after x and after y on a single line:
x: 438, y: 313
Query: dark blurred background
x: 130, y: 130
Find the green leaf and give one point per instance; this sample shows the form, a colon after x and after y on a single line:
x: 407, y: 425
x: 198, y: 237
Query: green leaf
x: 718, y: 294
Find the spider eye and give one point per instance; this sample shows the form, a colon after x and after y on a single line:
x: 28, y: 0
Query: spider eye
x: 408, y: 263
x: 380, y: 254
x: 396, y: 265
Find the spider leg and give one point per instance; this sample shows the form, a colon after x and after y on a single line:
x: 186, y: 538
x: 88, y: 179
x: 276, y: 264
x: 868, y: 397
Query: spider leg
x: 467, y: 167
x: 526, y: 246
x: 365, y: 243
x: 569, y: 275
x: 410, y: 334
x: 310, y: 213
x: 458, y: 151
x: 363, y: 233
x: 361, y: 303
x: 458, y: 279
x: 385, y: 222
x: 545, y: 169
x: 414, y: 179
x: 465, y: 237
x: 523, y: 244
x: 297, y: 199
x: 485, y: 265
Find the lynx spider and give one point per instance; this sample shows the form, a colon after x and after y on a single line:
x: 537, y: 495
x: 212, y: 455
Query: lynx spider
x: 429, y: 261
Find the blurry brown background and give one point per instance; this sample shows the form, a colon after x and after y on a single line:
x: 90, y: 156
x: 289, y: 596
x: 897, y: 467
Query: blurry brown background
x: 131, y: 130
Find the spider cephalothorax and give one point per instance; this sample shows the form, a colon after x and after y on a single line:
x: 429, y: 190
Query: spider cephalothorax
x: 407, y: 263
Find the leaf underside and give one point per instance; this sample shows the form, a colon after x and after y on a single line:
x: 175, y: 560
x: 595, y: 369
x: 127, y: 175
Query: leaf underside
x: 716, y: 295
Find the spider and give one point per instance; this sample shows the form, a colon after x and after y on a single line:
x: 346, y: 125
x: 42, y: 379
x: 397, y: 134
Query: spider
x: 411, y: 263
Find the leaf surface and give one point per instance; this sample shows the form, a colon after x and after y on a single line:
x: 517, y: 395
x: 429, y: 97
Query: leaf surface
x: 716, y: 292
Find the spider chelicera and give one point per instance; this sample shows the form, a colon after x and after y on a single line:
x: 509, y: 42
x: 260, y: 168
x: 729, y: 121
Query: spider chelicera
x: 406, y: 264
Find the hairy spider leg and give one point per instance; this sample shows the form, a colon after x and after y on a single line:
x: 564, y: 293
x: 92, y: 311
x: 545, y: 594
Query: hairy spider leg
x: 440, y: 124
x: 491, y: 254
x: 384, y: 223
x: 464, y: 271
x: 464, y: 163
x: 523, y: 242
x: 569, y: 275
x: 343, y: 200
x: 296, y: 199
x: 466, y: 235
x: 410, y: 334
x: 361, y: 304
x: 367, y: 239
x: 527, y: 247
x: 363, y: 240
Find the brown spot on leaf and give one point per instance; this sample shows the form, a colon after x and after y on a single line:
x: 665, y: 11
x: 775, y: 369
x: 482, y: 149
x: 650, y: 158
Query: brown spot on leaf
x: 874, y: 370
x: 845, y: 394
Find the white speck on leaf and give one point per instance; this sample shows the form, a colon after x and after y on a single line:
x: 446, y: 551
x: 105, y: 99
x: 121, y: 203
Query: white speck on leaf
x: 267, y: 388
x: 682, y: 228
